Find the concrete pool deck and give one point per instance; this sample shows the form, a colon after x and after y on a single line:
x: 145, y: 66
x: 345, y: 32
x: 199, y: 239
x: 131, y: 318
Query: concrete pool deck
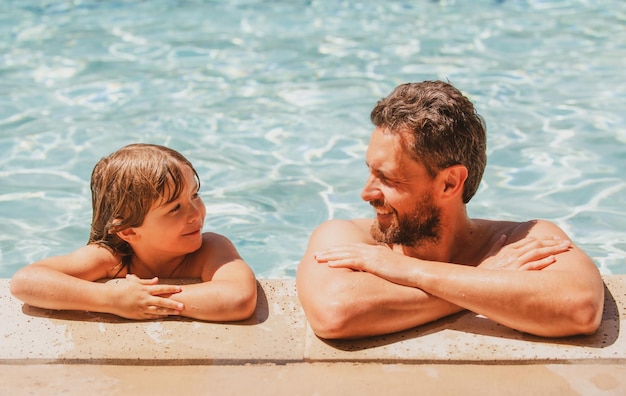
x: 275, y: 352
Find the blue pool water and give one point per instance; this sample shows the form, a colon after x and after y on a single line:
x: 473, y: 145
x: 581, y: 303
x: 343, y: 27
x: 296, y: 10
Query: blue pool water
x: 271, y: 99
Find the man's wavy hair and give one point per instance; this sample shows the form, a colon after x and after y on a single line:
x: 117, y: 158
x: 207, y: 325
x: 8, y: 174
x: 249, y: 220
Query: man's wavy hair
x: 439, y: 128
x: 125, y: 185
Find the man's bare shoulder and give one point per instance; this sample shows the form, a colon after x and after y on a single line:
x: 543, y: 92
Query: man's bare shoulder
x: 338, y: 231
x: 530, y: 228
x: 356, y: 226
x: 494, y: 229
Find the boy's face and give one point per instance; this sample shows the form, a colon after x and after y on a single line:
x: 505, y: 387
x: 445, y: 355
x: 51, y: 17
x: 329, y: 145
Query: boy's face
x: 174, y: 228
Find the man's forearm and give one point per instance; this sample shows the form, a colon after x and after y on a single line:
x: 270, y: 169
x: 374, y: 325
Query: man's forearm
x: 359, y: 304
x: 545, y: 303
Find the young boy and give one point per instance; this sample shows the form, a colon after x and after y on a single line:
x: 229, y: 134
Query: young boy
x: 146, y: 224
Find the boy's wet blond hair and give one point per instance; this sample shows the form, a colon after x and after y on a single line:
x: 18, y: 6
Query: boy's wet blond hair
x: 125, y: 185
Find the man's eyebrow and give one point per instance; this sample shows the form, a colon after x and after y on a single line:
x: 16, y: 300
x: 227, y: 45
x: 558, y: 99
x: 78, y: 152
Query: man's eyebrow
x: 378, y: 171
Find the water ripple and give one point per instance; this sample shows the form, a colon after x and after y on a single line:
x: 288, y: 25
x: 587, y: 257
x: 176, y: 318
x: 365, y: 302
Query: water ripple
x: 271, y: 102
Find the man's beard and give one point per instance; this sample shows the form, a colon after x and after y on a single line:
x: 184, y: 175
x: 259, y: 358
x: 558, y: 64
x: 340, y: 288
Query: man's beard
x: 419, y: 226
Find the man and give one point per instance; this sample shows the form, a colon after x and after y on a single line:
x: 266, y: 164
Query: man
x: 422, y: 258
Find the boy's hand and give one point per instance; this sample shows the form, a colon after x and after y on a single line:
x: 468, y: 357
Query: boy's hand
x: 144, y: 298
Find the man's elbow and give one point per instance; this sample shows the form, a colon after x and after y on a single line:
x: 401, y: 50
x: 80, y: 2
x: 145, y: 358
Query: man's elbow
x: 19, y: 286
x: 587, y: 316
x: 329, y: 320
x: 582, y: 316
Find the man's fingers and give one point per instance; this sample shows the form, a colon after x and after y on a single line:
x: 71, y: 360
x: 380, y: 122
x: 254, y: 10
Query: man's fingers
x: 331, y: 255
x: 344, y: 262
x: 539, y: 264
x: 537, y: 247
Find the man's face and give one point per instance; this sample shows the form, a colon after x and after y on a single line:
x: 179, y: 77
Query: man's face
x: 401, y: 192
x: 419, y: 225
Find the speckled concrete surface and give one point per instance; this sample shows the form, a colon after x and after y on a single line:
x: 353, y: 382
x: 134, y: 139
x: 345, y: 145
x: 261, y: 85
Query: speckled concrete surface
x: 467, y: 337
x: 275, y: 333
x: 275, y: 352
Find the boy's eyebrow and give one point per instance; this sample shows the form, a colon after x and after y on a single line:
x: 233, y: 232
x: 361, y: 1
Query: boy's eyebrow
x: 161, y: 202
x: 196, y: 185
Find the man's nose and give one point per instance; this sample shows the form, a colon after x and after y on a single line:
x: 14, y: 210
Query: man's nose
x: 370, y: 190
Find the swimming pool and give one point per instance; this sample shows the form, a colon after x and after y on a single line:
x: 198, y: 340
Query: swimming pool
x: 270, y: 100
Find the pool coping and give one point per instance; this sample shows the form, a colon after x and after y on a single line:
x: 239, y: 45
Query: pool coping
x: 278, y: 338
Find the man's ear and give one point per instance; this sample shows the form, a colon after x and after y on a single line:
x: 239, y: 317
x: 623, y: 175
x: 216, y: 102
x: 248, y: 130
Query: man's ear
x: 453, y: 180
x: 127, y: 234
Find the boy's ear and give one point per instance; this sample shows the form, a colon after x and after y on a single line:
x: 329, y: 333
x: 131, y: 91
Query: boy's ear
x: 127, y: 235
x: 453, y: 180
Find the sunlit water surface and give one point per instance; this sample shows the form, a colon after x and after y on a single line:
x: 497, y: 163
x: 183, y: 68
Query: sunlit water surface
x: 271, y: 99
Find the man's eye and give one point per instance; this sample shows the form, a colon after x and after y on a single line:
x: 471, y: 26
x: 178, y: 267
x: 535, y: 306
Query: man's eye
x: 388, y: 182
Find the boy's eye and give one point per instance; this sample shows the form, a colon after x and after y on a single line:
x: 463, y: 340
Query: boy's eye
x: 175, y: 209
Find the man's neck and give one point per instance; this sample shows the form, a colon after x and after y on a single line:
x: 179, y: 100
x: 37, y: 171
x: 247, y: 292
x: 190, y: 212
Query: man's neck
x: 462, y: 241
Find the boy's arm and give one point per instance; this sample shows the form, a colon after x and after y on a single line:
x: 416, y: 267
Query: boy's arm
x: 67, y: 282
x: 228, y: 291
x: 341, y: 303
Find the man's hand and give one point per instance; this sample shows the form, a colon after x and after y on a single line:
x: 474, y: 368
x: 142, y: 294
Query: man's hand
x: 357, y: 256
x: 529, y: 253
x: 136, y: 298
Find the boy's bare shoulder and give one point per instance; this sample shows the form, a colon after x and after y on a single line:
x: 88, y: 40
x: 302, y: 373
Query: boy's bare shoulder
x: 214, y: 240
x: 217, y: 247
x: 97, y: 259
x: 216, y: 250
